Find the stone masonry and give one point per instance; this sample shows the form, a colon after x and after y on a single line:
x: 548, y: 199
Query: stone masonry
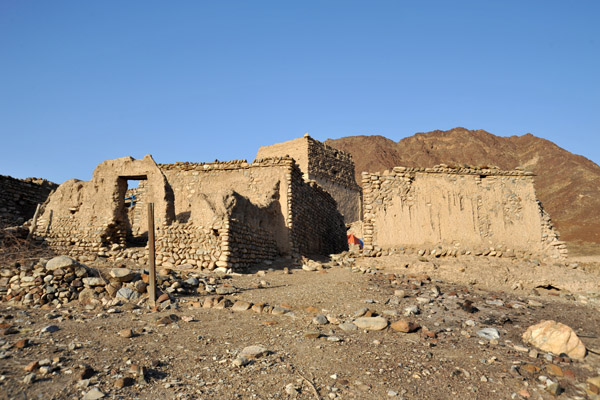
x: 20, y: 197
x: 331, y: 168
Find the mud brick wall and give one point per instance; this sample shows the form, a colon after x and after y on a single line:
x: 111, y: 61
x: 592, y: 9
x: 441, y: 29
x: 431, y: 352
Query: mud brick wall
x: 316, y: 224
x: 448, y: 211
x: 20, y: 197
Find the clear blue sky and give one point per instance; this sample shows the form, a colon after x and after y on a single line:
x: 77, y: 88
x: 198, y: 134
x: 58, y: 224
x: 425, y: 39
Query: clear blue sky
x: 85, y: 81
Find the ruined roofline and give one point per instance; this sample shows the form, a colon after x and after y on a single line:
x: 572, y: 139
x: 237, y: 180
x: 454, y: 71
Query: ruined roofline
x: 444, y: 169
x: 227, y: 165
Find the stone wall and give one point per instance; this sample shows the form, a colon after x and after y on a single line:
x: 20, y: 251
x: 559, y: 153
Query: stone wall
x: 185, y: 243
x: 20, y: 197
x: 455, y: 211
x: 317, y: 225
x: 331, y: 168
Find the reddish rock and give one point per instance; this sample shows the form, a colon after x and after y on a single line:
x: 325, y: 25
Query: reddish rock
x: 32, y: 366
x: 404, y: 326
x: 162, y: 297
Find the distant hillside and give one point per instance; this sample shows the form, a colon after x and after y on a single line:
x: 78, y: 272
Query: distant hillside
x: 567, y: 184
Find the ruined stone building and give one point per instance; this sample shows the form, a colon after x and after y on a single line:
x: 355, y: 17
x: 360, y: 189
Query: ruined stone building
x: 449, y: 211
x: 232, y: 214
x: 293, y: 200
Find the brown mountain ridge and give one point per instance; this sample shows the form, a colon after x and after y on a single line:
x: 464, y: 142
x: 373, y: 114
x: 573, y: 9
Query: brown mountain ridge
x: 568, y: 185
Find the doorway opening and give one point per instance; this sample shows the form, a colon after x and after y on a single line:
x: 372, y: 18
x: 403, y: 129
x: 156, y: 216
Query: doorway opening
x: 134, y: 210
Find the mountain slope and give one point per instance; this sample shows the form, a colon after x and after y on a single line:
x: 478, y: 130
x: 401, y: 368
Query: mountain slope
x: 567, y: 184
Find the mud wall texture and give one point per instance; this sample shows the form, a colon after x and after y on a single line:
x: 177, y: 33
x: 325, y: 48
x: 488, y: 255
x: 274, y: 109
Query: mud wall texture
x: 456, y: 211
x: 332, y: 169
x: 20, y: 197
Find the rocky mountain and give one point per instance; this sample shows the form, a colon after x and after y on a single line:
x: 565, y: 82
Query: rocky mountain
x: 567, y: 184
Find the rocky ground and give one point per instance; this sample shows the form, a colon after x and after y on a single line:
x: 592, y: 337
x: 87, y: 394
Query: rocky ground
x: 395, y: 327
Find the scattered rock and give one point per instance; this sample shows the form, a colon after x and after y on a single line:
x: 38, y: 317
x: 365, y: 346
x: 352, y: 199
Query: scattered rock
x: 29, y: 378
x: 32, y: 366
x: 126, y: 333
x: 225, y: 290
x: 241, y: 305
x: 50, y: 329
x: 123, y: 382
x: 556, y: 338
x: 254, y: 351
x: 93, y: 394
x: 61, y: 262
x: 93, y: 281
x: 371, y: 323
x: 489, y: 333
x: 320, y: 319
x: 126, y: 293
x: 241, y: 361
x: 348, y: 327
x: 121, y: 274
x: 404, y: 326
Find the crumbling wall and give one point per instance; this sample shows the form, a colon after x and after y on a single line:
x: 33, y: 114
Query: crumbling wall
x: 224, y: 214
x: 20, y: 197
x: 254, y: 196
x: 331, y: 168
x: 91, y: 218
x: 455, y: 211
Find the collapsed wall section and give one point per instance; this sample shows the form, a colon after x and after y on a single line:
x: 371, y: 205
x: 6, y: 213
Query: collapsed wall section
x: 331, y: 168
x: 20, y: 197
x: 449, y: 210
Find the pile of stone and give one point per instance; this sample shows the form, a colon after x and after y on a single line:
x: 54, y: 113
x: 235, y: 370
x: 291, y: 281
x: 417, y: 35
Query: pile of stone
x: 63, y: 279
x: 57, y: 281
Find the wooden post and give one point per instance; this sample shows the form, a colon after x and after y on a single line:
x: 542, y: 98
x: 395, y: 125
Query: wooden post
x: 34, y: 222
x: 151, y: 254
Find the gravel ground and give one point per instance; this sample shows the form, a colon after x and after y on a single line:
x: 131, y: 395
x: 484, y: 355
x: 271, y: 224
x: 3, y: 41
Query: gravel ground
x: 187, y: 351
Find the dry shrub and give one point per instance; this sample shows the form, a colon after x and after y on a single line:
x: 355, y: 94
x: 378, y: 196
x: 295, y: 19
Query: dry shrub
x: 16, y: 248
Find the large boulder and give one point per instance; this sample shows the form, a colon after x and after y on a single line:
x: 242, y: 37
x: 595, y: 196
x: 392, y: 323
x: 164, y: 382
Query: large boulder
x: 555, y: 338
